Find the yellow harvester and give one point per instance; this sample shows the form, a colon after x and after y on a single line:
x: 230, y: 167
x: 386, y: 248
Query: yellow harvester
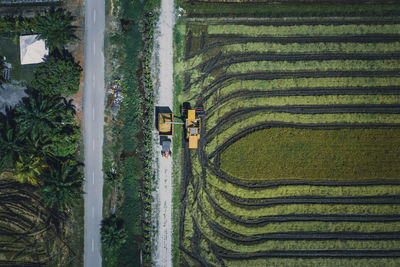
x: 193, y: 126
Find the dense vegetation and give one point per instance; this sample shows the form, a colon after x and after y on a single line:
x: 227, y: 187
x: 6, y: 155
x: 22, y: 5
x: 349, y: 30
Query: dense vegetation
x: 39, y: 138
x: 128, y: 167
x: 297, y: 165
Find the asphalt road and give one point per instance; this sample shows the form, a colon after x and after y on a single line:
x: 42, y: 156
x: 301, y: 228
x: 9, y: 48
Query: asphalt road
x: 93, y: 118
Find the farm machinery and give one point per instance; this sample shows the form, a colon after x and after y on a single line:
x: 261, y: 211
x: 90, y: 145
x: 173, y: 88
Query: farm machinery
x: 165, y: 125
x: 192, y: 118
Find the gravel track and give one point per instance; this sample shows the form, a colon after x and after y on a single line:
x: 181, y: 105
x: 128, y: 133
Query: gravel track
x: 162, y: 69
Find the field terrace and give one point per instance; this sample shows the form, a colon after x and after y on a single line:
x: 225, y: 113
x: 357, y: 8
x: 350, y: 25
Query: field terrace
x: 298, y: 164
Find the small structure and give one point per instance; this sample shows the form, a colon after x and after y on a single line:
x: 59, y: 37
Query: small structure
x: 7, y: 67
x: 32, y: 49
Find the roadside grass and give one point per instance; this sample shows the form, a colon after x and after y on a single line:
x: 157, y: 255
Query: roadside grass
x: 177, y: 147
x: 78, y: 220
x: 10, y: 49
x: 129, y: 133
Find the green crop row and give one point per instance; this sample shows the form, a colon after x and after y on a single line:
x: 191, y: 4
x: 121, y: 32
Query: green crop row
x: 307, y: 262
x: 309, y: 48
x: 312, y: 48
x: 279, y: 227
x: 301, y: 190
x: 284, y: 10
x: 289, y: 153
x: 291, y: 83
x: 284, y: 245
x: 302, y: 30
x: 285, y: 209
x: 275, y: 101
x: 314, y: 65
x: 264, y: 117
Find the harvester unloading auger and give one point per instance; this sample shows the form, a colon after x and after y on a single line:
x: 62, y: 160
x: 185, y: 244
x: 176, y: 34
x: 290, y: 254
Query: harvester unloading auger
x: 165, y: 126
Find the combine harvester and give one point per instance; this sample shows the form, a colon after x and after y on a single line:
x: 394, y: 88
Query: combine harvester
x: 192, y: 124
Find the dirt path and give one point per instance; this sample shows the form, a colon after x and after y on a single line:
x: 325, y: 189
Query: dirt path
x: 163, y: 74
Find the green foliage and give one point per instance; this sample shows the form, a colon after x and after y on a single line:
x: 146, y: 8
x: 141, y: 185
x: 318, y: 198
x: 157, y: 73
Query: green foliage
x: 11, y: 139
x: 18, y: 25
x: 29, y: 168
x: 113, y: 233
x: 59, y: 74
x: 280, y: 10
x: 62, y: 184
x: 39, y: 115
x: 314, y: 65
x: 55, y: 28
x: 65, y: 142
x: 306, y: 30
x: 312, y: 48
x: 307, y: 262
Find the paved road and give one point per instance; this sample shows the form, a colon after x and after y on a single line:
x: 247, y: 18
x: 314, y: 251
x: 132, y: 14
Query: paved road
x: 93, y: 117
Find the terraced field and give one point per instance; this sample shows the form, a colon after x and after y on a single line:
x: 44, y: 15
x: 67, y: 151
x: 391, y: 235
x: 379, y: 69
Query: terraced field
x: 300, y: 155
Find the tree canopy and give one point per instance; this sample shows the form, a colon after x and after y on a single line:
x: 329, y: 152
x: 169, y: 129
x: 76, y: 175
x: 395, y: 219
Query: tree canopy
x: 59, y: 74
x: 56, y: 28
x: 113, y: 232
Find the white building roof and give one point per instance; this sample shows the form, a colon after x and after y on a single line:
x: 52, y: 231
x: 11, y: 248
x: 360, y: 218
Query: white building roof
x: 32, y: 49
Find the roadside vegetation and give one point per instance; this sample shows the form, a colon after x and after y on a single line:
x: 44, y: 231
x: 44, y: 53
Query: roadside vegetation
x: 298, y: 160
x: 40, y: 164
x: 127, y: 144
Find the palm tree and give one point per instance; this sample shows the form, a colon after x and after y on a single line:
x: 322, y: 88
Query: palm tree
x: 62, y: 184
x: 11, y: 140
x: 55, y: 27
x: 38, y: 115
x: 113, y: 233
x: 69, y: 106
x: 28, y: 168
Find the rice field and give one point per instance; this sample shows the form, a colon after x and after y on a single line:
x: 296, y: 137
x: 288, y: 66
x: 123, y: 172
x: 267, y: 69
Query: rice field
x: 298, y: 164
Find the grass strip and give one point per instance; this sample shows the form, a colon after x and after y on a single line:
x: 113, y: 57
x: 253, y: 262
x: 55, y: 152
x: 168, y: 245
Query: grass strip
x: 312, y: 48
x: 240, y: 103
x: 212, y: 9
x: 301, y: 190
x: 340, y: 209
x: 206, y: 229
x: 257, y: 118
x: 304, y: 262
x: 211, y: 215
x: 315, y: 65
x: 292, y: 83
x: 305, y: 30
